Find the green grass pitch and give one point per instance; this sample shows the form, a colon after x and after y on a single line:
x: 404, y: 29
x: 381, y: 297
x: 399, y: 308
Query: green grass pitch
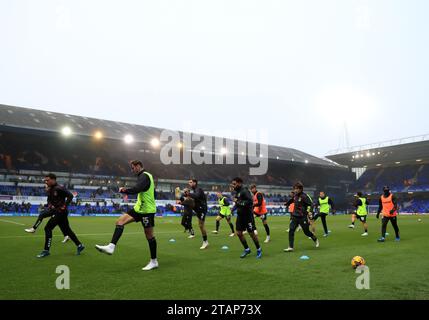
x: 397, y: 270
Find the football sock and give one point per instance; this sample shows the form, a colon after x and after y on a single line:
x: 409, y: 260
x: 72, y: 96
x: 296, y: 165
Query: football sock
x: 117, y: 234
x: 267, y: 229
x: 232, y: 227
x: 244, y: 243
x: 152, y: 247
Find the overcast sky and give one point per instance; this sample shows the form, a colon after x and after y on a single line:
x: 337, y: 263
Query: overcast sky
x: 298, y: 69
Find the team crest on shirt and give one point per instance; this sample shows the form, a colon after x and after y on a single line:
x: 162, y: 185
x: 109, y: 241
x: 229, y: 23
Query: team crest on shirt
x: 55, y: 193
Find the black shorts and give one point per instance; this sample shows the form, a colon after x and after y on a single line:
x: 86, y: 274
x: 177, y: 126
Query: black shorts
x: 244, y: 223
x: 361, y: 218
x: 263, y: 217
x: 147, y: 219
x: 201, y: 215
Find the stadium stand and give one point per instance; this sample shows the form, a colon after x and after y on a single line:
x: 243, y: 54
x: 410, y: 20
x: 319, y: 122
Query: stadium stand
x: 403, y: 165
x: 33, y: 144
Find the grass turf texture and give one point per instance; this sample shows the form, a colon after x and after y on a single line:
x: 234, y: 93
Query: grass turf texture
x: 398, y: 270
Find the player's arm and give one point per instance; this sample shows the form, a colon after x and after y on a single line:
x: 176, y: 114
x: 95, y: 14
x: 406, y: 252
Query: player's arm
x: 197, y: 194
x: 259, y: 198
x: 357, y: 203
x: 331, y: 203
x: 395, y: 205
x: 287, y: 204
x: 187, y: 201
x: 142, y: 185
x: 245, y: 199
x: 68, y: 196
x: 380, y: 208
x: 308, y: 203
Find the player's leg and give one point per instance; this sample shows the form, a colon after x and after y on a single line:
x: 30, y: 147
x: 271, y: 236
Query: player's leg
x: 352, y: 226
x: 190, y: 227
x: 324, y: 223
x: 251, y: 230
x: 240, y: 227
x: 311, y: 225
x: 43, y: 215
x: 52, y: 223
x: 125, y: 219
x: 306, y: 229
x: 384, y: 223
x: 148, y: 223
x: 292, y: 228
x: 201, y: 224
x: 228, y: 219
x: 364, y: 225
x: 64, y: 225
x: 184, y: 222
x: 394, y: 222
x: 264, y: 219
x: 218, y: 220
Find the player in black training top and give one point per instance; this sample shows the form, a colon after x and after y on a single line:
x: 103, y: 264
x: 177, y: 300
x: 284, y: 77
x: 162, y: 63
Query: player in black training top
x: 188, y: 206
x: 245, y: 219
x: 299, y: 217
x: 46, y: 213
x: 59, y: 198
x: 200, y: 208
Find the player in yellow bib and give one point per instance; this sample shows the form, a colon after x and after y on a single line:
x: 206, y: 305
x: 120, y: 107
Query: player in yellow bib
x: 144, y: 211
x: 361, y: 205
x: 224, y: 213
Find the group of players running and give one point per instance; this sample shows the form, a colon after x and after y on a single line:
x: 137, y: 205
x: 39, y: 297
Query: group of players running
x: 247, y: 203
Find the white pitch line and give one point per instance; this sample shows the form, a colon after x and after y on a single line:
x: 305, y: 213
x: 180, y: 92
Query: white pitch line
x: 8, y: 221
x: 85, y: 235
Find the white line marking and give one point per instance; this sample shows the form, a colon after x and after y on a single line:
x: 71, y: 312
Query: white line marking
x: 8, y: 221
x: 86, y: 235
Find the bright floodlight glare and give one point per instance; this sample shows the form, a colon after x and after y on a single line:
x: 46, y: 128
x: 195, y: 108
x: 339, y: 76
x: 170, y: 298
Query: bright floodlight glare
x: 154, y: 142
x: 128, y: 139
x: 306, y: 161
x: 180, y: 145
x: 66, y: 131
x: 98, y: 135
x: 223, y: 151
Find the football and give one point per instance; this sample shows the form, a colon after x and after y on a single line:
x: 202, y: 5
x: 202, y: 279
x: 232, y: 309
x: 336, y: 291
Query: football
x: 358, y: 261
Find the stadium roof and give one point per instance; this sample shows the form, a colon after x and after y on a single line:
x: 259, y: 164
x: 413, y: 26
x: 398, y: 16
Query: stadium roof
x: 404, y: 151
x: 26, y: 118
